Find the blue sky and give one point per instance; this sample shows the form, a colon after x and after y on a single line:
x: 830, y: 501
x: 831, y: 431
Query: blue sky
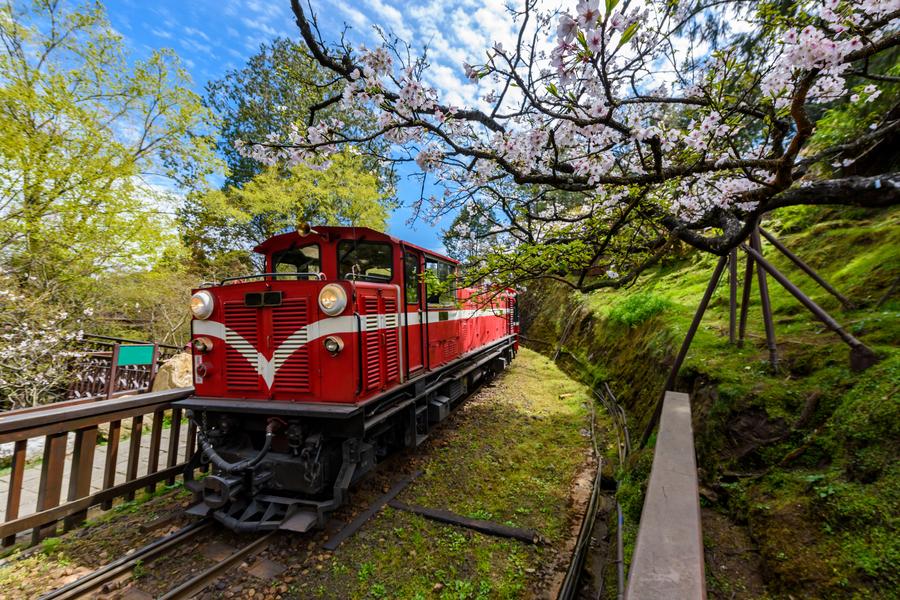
x: 214, y: 36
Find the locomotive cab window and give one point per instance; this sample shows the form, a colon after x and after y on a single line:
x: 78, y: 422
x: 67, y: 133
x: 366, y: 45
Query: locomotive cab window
x: 365, y: 261
x: 297, y: 263
x: 440, y: 281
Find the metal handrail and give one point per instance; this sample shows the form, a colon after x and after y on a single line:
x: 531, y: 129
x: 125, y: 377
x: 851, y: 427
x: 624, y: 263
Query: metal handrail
x: 318, y: 276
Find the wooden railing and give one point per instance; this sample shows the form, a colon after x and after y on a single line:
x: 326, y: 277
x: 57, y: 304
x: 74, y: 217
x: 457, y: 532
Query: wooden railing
x: 71, y: 432
x: 668, y: 554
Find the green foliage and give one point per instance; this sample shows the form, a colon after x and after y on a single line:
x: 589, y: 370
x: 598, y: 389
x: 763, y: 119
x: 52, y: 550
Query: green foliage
x: 342, y: 192
x: 50, y: 545
x: 637, y: 308
x: 273, y: 92
x: 846, y: 121
x: 83, y: 125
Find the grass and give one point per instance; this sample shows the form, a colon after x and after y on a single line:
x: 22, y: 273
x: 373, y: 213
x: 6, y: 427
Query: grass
x: 819, y: 495
x: 509, y: 455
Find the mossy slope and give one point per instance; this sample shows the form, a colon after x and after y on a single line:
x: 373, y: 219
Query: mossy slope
x: 804, y: 456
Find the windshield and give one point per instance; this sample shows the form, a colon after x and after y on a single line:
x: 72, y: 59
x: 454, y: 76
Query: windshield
x: 367, y: 261
x: 305, y: 261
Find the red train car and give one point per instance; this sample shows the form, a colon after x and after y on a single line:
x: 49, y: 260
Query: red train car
x: 350, y: 345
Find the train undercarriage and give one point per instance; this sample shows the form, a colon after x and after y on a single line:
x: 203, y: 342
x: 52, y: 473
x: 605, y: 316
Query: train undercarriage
x: 287, y: 465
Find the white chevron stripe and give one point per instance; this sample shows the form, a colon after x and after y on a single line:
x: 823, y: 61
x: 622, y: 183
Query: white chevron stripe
x: 267, y: 368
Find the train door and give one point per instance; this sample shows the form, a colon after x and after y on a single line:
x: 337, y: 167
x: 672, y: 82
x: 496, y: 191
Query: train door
x: 414, y: 317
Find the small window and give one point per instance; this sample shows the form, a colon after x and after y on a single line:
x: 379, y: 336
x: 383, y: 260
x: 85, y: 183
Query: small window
x: 297, y: 263
x: 365, y: 261
x: 411, y: 278
x: 440, y: 281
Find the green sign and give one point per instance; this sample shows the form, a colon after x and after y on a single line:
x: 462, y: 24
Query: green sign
x: 135, y: 355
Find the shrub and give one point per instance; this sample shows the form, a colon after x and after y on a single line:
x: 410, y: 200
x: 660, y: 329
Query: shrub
x: 637, y: 308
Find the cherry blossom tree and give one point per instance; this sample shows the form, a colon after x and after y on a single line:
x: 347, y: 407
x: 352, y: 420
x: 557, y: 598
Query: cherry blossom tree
x: 610, y: 132
x: 37, y: 341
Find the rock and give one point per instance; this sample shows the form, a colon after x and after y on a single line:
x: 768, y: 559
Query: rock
x: 177, y: 372
x: 437, y: 587
x: 251, y: 592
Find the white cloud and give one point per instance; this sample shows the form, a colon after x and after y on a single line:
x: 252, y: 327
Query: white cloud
x: 260, y: 25
x: 390, y: 18
x: 161, y: 33
x: 196, y: 46
x: 196, y: 33
x: 356, y: 17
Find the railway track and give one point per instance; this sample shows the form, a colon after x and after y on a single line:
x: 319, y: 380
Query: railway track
x: 95, y: 582
x: 197, y: 584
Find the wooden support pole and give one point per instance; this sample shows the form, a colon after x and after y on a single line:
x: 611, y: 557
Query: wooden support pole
x: 14, y: 494
x: 112, y: 456
x: 174, y: 439
x: 50, y: 487
x: 155, y: 443
x: 113, y: 372
x: 81, y: 472
x: 861, y: 356
x: 765, y: 301
x: 685, y: 346
x: 732, y: 295
x: 134, y: 452
x: 806, y: 269
x: 745, y: 300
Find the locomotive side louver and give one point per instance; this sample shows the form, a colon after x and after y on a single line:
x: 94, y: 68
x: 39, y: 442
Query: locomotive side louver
x: 372, y: 343
x: 290, y: 339
x: 391, y: 339
x: 240, y: 336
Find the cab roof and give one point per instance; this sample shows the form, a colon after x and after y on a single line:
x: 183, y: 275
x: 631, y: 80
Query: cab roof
x: 329, y: 233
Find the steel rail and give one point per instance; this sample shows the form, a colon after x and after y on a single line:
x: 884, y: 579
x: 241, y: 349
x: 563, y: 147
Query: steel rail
x: 569, y: 588
x: 195, y: 585
x: 96, y: 580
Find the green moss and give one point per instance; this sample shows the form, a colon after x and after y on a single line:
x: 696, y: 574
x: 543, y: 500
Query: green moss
x: 803, y: 454
x: 637, y: 308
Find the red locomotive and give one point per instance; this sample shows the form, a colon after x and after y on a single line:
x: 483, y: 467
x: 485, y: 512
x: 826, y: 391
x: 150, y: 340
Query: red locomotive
x: 352, y: 344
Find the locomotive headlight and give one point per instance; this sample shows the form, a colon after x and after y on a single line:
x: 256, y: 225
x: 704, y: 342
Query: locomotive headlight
x: 333, y: 344
x: 202, y: 304
x: 332, y: 299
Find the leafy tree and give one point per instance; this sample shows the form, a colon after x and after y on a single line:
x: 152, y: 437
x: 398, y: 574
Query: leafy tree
x: 256, y: 102
x: 87, y: 137
x: 265, y: 97
x: 341, y: 192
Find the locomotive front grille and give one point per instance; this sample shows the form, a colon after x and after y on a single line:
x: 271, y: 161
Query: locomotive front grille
x: 290, y: 337
x: 242, y: 325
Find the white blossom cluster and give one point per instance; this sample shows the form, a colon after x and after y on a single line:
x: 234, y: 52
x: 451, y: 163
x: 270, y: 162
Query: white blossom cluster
x: 35, y: 347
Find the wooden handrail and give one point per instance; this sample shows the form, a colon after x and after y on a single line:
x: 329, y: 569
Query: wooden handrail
x: 54, y: 423
x: 668, y: 554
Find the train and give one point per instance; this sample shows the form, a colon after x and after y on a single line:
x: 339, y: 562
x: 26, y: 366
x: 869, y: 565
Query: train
x: 349, y: 346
